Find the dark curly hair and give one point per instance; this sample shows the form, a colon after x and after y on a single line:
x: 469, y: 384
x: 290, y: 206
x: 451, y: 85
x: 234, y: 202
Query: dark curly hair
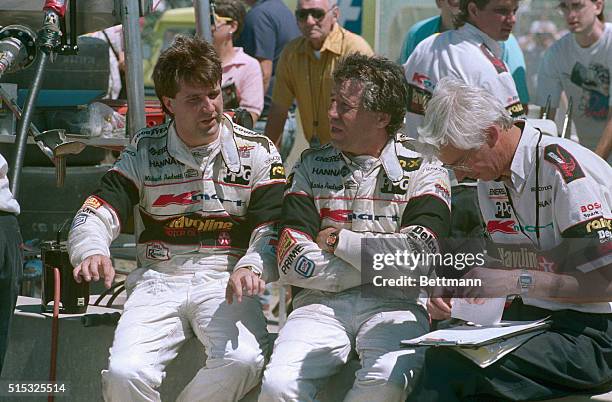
x: 385, y: 88
x: 189, y: 60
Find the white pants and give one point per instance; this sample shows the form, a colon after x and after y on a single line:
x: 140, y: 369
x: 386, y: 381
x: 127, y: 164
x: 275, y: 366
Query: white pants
x: 161, y: 313
x: 321, y: 334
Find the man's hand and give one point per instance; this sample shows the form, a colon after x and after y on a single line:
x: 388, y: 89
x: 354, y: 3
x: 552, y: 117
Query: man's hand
x: 495, y: 283
x: 93, y: 268
x: 439, y: 308
x: 243, y: 281
x: 322, y: 239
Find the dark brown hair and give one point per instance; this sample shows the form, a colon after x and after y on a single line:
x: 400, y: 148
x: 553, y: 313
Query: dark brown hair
x: 233, y: 9
x: 385, y: 87
x: 188, y: 60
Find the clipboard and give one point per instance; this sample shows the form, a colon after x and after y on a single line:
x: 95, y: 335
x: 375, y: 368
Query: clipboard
x: 475, y: 336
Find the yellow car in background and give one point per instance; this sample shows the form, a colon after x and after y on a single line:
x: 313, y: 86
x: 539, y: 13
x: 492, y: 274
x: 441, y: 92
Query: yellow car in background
x: 171, y: 23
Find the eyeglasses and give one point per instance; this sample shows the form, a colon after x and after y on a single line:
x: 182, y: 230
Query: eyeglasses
x: 568, y: 8
x: 216, y: 20
x: 461, y: 164
x: 318, y: 14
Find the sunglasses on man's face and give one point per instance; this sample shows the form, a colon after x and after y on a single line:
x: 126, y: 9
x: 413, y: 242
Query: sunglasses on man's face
x: 317, y: 13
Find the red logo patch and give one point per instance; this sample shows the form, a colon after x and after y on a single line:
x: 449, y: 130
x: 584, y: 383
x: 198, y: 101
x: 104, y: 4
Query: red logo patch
x: 179, y: 199
x: 506, y: 226
x: 338, y: 215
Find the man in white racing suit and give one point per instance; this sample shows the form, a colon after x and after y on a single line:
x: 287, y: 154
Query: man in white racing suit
x: 364, y: 185
x: 471, y: 52
x: 546, y: 203
x: 206, y: 196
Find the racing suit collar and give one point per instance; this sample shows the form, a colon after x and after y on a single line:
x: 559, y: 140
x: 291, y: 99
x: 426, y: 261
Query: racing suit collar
x: 523, y: 161
x: 482, y: 37
x: 229, y: 150
x: 391, y: 163
x: 388, y: 158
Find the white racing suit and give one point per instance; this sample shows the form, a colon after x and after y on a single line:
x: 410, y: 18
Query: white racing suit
x: 399, y: 196
x: 465, y: 53
x: 200, y: 214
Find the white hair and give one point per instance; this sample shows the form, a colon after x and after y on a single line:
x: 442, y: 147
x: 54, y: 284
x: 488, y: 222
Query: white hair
x: 459, y: 114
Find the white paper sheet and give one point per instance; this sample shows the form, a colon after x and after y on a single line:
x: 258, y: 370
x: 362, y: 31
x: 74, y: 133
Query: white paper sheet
x: 488, y: 313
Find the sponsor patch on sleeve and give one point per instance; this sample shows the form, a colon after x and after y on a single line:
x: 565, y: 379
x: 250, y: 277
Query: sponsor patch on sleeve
x: 277, y: 171
x: 516, y: 109
x: 417, y: 99
x: 564, y: 162
x: 80, y: 219
x: 92, y: 202
x: 285, y: 242
x: 305, y: 267
x: 289, y: 181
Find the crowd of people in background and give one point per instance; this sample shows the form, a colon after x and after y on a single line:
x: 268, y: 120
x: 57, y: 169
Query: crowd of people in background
x: 387, y: 141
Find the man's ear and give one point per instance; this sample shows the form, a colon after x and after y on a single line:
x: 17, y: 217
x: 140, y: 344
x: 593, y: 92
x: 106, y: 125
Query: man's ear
x: 599, y: 6
x: 383, y: 120
x: 492, y: 134
x: 472, y: 10
x: 168, y: 103
x: 336, y: 13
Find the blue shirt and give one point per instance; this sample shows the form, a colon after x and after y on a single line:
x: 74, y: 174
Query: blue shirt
x: 512, y: 54
x: 268, y: 26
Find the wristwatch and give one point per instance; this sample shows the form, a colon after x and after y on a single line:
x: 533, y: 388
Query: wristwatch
x: 253, y: 270
x: 332, y: 240
x: 526, y: 282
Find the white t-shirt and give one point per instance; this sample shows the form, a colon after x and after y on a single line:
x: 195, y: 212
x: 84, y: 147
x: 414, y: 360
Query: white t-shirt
x: 584, y: 75
x: 465, y: 53
x: 8, y: 203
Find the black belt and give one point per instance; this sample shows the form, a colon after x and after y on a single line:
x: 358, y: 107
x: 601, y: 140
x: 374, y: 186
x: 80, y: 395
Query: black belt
x: 4, y: 213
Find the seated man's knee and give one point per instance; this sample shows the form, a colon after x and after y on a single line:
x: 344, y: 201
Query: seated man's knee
x: 244, y: 359
x: 278, y: 384
x: 393, y: 374
x: 130, y: 369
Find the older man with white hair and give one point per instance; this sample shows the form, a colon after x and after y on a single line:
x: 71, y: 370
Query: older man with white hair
x: 541, y: 195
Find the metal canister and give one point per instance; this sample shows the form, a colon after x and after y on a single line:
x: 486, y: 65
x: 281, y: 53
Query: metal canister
x: 74, y: 297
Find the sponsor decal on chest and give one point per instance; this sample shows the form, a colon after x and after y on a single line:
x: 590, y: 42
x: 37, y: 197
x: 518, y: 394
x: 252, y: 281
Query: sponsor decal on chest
x: 243, y: 177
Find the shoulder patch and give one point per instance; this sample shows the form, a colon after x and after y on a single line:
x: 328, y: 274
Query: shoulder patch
x: 314, y: 150
x: 253, y: 137
x: 516, y: 109
x: 418, y: 99
x: 564, y: 162
x: 499, y: 65
x: 238, y: 129
x: 410, y: 164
